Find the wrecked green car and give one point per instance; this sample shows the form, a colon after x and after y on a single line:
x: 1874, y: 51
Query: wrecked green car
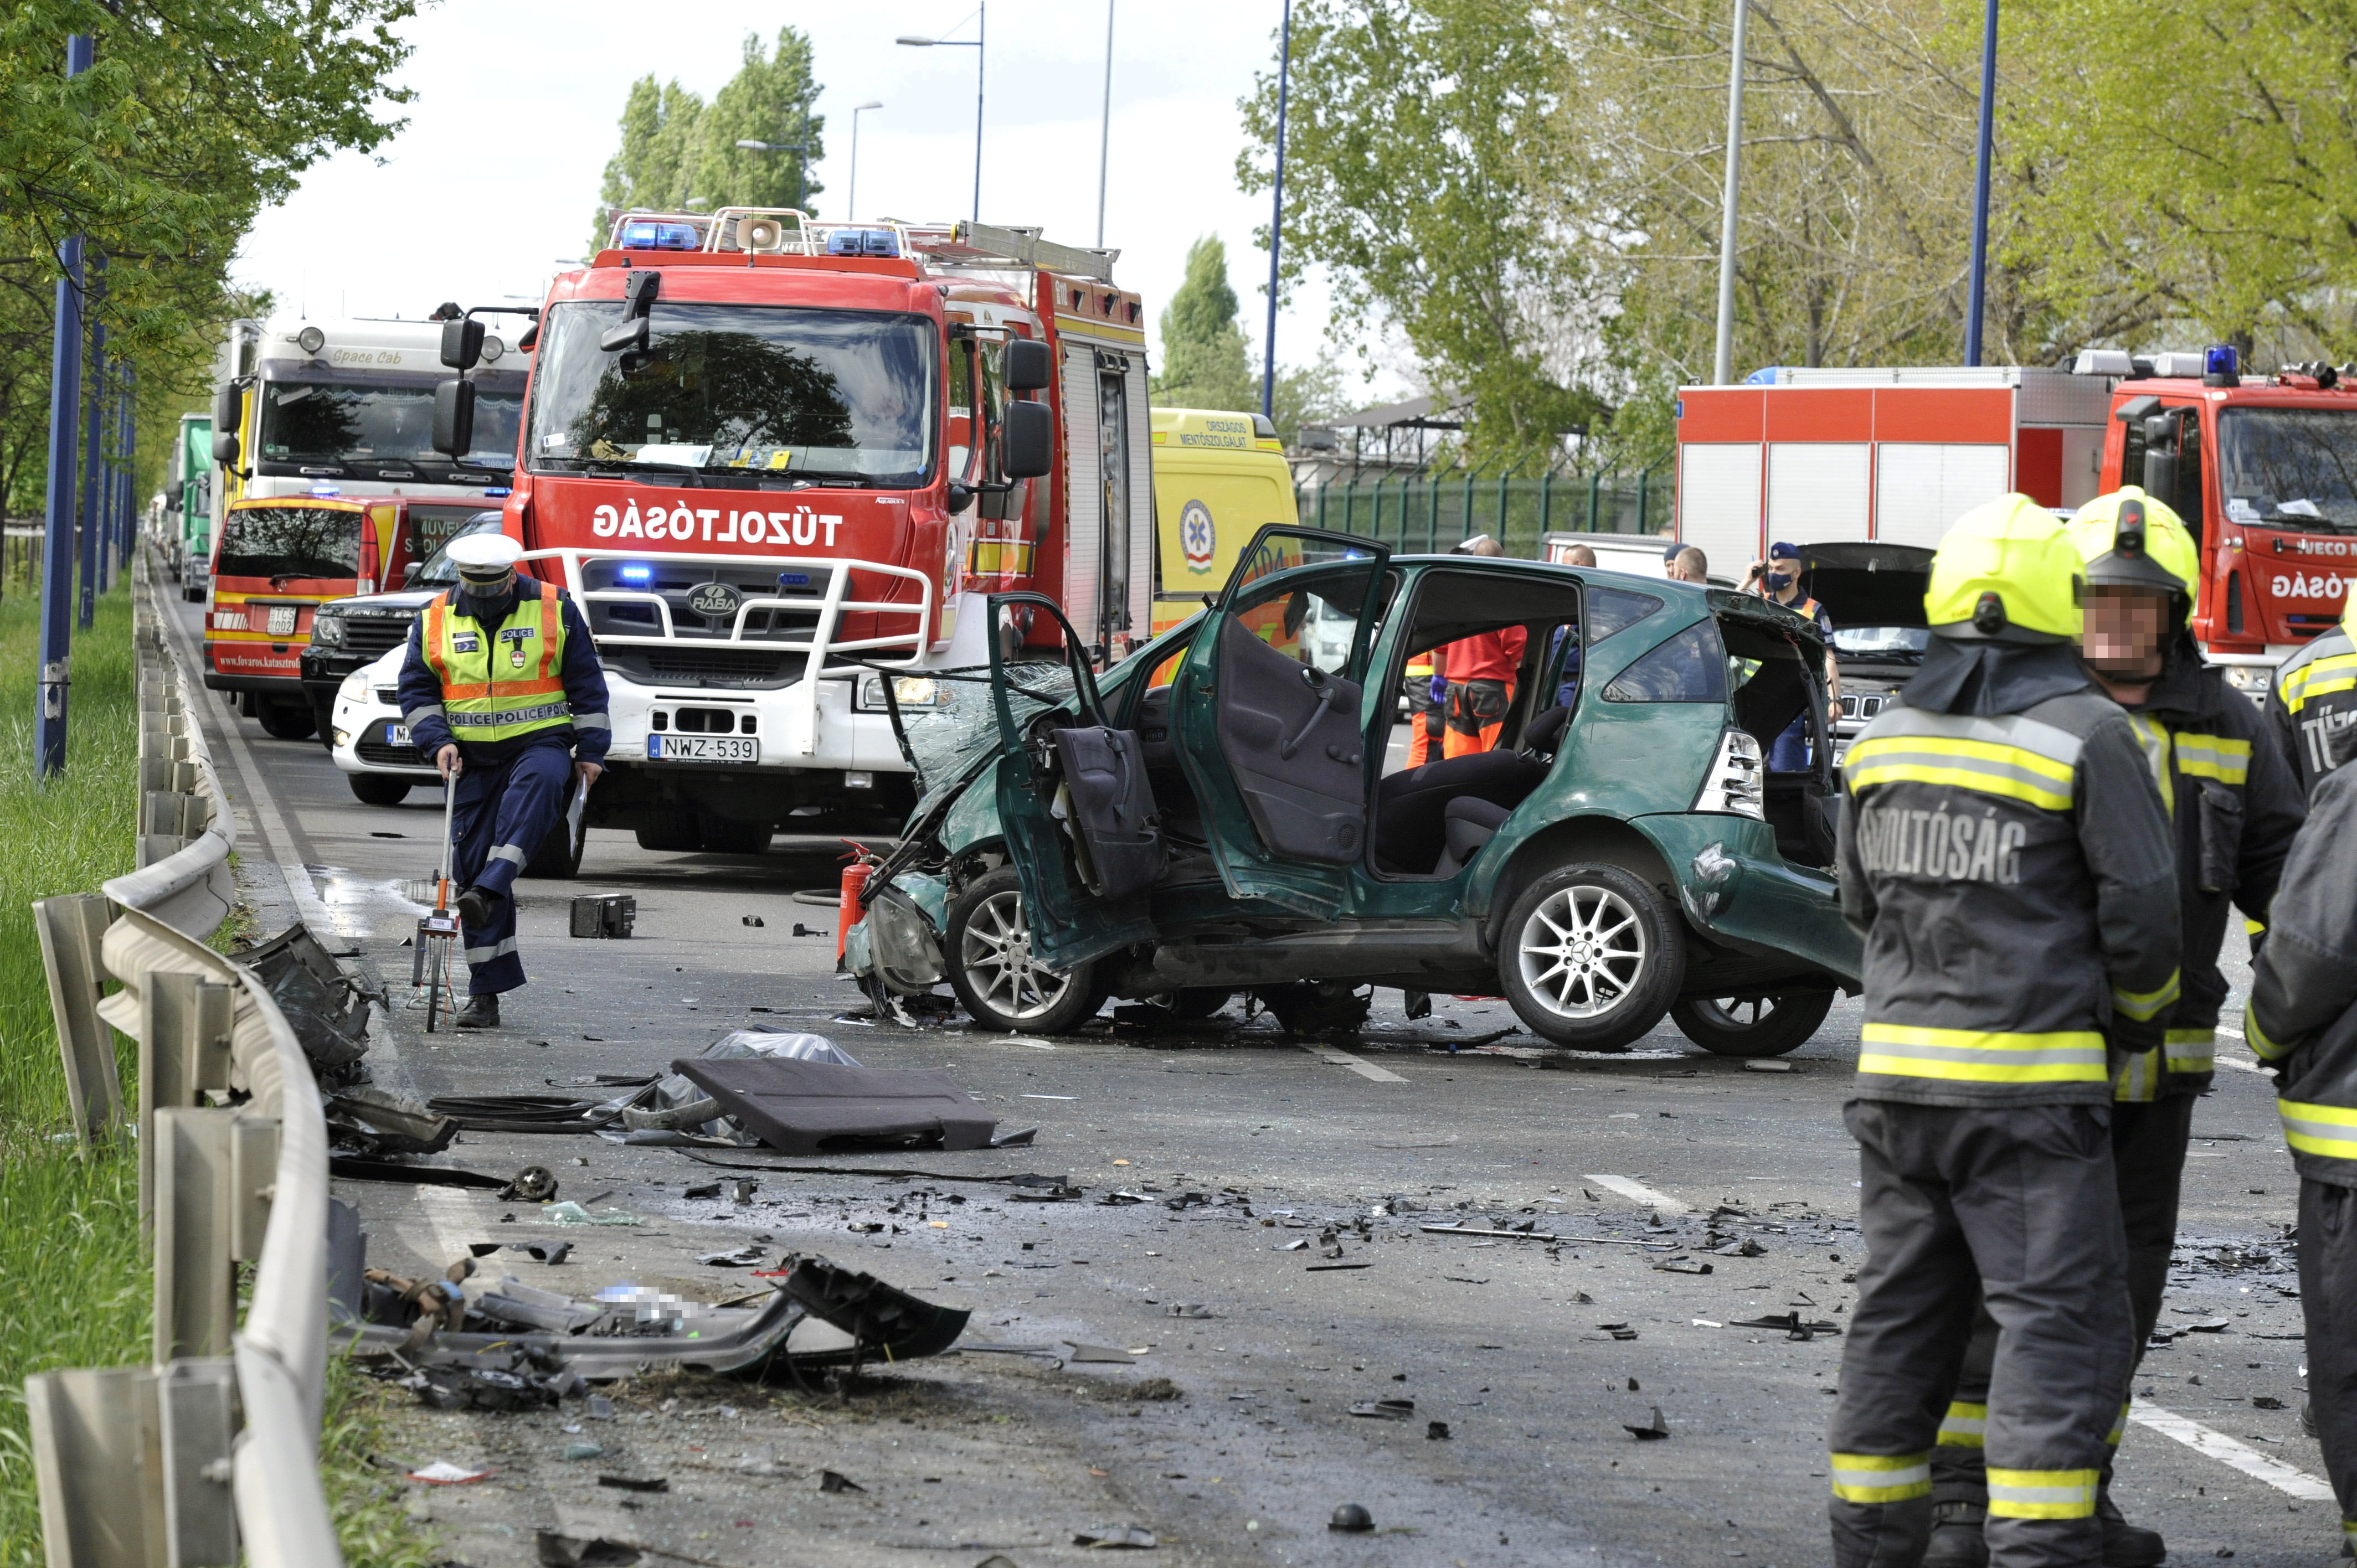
x: 1228, y: 810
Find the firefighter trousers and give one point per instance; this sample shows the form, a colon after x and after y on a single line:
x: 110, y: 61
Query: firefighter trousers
x: 2022, y: 1205
x: 2328, y: 1300
x: 2149, y: 1153
x: 502, y: 811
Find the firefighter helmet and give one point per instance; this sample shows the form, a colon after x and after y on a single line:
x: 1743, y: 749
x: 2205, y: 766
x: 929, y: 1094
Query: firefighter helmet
x: 2131, y: 541
x: 2006, y: 572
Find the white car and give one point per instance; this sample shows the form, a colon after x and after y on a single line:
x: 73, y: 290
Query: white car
x: 371, y: 744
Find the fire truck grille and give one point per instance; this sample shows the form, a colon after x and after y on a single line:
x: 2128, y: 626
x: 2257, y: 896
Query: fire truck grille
x: 745, y: 669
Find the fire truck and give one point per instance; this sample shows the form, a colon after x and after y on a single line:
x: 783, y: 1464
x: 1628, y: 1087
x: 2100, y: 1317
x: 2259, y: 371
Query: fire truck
x: 778, y: 462
x: 2261, y: 467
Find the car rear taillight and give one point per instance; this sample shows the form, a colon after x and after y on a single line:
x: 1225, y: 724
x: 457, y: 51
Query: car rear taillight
x: 228, y: 621
x: 1733, y: 783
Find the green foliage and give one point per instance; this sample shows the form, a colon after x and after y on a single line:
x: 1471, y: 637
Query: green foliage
x: 373, y: 1524
x: 1419, y: 160
x: 676, y: 148
x: 1203, y: 355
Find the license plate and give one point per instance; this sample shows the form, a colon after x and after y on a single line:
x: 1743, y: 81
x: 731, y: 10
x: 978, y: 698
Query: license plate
x: 704, y: 749
x: 396, y: 735
x: 282, y: 620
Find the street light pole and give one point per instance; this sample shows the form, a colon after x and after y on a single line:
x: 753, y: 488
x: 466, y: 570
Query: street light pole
x: 58, y: 511
x: 1980, y: 289
x: 976, y: 43
x: 93, y: 510
x: 1722, y: 360
x: 1104, y: 127
x: 1276, y: 216
x: 851, y: 202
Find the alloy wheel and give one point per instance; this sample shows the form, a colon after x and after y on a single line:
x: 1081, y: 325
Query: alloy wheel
x: 996, y: 955
x: 1582, y: 951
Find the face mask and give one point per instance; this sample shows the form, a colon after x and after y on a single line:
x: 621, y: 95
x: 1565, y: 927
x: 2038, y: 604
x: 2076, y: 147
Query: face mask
x: 1779, y: 581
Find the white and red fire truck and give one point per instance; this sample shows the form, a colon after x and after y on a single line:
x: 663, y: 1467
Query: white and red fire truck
x: 2263, y: 469
x: 768, y: 456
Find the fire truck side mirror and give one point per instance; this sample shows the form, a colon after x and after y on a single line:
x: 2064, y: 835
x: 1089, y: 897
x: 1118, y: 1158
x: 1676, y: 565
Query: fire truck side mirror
x: 453, y: 418
x: 462, y: 344
x: 1028, y: 365
x: 1027, y: 441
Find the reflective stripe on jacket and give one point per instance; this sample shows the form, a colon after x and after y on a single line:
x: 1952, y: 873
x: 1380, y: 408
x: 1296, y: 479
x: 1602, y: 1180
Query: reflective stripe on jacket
x: 2302, y: 1015
x: 2013, y: 879
x: 2234, y: 809
x: 2312, y: 706
x: 497, y: 686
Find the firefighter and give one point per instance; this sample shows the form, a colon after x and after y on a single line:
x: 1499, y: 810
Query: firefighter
x: 2233, y: 809
x: 2313, y: 703
x: 2302, y: 1022
x: 1482, y: 670
x: 2007, y: 859
x: 501, y: 687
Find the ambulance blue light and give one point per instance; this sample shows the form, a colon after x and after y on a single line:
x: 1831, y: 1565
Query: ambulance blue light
x: 498, y: 491
x: 2220, y: 360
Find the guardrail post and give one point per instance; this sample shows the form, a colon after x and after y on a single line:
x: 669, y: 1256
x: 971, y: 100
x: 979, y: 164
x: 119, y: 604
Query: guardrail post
x: 197, y: 1406
x: 196, y: 1225
x: 71, y: 926
x: 93, y: 1429
x: 184, y: 1049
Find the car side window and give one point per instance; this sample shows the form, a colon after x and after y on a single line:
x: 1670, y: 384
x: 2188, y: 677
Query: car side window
x: 1314, y: 620
x: 1612, y: 610
x: 1689, y: 667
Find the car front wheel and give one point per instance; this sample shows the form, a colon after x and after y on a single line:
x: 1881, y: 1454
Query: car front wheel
x: 1591, y: 957
x: 993, y: 974
x: 1751, y: 1026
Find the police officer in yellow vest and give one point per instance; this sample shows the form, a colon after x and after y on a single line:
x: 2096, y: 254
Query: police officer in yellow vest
x: 501, y: 687
x: 2008, y: 860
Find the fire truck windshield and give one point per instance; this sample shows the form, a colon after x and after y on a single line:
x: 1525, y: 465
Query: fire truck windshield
x: 754, y: 393
x: 2289, y: 467
x: 365, y: 421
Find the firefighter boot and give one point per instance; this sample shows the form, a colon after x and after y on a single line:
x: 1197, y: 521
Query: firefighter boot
x: 2127, y: 1545
x: 480, y: 1012
x: 1957, y: 1538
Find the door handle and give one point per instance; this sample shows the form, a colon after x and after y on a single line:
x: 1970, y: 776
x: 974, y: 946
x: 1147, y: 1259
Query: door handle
x: 1325, y: 699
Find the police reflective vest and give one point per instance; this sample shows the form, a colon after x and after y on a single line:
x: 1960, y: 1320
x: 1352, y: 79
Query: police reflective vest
x: 2013, y: 878
x: 2313, y: 703
x: 499, y: 685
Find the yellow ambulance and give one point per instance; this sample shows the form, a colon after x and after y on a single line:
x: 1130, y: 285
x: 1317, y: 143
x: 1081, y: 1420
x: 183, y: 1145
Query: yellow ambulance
x: 1218, y: 478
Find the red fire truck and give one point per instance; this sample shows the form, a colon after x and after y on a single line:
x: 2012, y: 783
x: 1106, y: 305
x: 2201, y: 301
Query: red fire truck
x: 778, y: 462
x: 2263, y: 469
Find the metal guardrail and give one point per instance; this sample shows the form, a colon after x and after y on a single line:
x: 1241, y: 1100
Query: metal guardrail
x: 219, y: 1436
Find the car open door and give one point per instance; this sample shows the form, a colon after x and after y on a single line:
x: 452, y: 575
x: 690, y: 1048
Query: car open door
x: 1073, y: 802
x: 1272, y: 717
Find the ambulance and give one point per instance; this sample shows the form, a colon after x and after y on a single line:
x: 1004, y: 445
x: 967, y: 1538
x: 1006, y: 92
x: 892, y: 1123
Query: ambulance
x: 1219, y: 478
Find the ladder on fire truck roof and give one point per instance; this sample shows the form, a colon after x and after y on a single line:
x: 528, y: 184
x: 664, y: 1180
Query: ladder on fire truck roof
x: 763, y: 230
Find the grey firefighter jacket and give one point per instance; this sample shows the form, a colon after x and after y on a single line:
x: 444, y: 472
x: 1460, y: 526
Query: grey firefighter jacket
x: 2234, y: 809
x: 2312, y: 705
x: 2302, y: 1017
x: 2006, y: 858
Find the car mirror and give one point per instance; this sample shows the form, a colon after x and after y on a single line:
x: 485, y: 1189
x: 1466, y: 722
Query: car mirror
x: 453, y: 418
x: 409, y: 574
x: 462, y: 343
x: 1027, y: 441
x: 1028, y: 365
x: 225, y: 447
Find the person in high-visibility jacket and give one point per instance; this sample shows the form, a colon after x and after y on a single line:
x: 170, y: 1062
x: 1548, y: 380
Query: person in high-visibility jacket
x: 2234, y: 809
x: 2302, y: 1022
x: 2312, y: 702
x: 2006, y: 858
x: 1427, y: 706
x: 502, y: 688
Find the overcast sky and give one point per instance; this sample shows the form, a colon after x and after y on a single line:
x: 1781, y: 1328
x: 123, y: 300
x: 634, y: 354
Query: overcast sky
x: 496, y: 178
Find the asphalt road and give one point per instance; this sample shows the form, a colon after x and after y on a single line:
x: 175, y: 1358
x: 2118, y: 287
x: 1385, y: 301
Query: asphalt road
x: 1218, y: 1300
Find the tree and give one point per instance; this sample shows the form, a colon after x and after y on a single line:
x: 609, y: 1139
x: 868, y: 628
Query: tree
x: 1203, y: 356
x: 1419, y: 167
x: 676, y: 149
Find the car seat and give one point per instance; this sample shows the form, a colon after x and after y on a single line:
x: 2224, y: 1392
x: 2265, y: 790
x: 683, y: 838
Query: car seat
x: 1411, y: 806
x: 1465, y: 826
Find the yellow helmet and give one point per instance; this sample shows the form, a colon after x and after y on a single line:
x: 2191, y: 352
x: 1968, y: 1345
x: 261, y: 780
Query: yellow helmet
x: 2006, y: 571
x: 2128, y: 539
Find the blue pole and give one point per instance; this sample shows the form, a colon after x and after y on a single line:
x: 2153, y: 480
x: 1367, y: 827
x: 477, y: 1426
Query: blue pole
x: 93, y: 493
x: 1981, y: 188
x: 57, y: 511
x: 1276, y: 216
x: 126, y: 505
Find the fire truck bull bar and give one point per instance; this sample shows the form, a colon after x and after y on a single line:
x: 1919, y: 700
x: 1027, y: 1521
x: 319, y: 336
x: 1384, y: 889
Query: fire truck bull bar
x: 820, y: 646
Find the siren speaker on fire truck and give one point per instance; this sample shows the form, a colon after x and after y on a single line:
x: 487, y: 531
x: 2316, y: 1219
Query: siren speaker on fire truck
x: 765, y: 234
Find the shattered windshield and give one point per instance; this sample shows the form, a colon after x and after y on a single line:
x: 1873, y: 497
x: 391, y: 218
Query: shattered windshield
x: 950, y: 724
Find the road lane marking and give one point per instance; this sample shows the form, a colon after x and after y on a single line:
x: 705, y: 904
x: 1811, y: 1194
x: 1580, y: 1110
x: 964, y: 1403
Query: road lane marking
x: 1639, y: 1192
x: 2226, y: 1451
x: 2241, y: 1064
x: 1365, y: 1069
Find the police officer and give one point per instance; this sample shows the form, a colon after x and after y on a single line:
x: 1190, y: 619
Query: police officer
x: 2233, y: 809
x: 2302, y: 1021
x: 1779, y: 578
x: 2313, y: 703
x: 502, y: 688
x: 2006, y: 858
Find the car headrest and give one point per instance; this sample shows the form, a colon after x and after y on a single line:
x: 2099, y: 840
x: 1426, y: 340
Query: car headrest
x: 1545, y: 731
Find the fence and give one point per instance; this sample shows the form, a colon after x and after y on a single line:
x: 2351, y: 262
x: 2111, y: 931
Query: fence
x: 1419, y: 512
x: 218, y: 1437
